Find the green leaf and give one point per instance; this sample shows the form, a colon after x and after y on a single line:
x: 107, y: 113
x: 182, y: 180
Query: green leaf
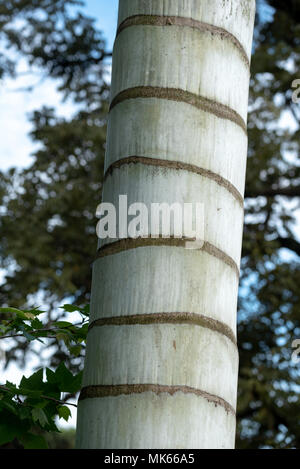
x: 75, y: 350
x: 71, y: 308
x: 62, y: 324
x: 30, y: 393
x: 50, y: 376
x: 29, y: 315
x: 16, y: 311
x: 29, y: 336
x: 11, y: 427
x: 64, y: 379
x: 7, y: 433
x: 64, y: 412
x: 35, y: 311
x: 24, y: 328
x: 81, y: 333
x: 34, y: 382
x: 39, y: 416
x: 24, y: 413
x: 37, y: 324
x: 10, y: 310
x: 9, y: 405
x: 11, y: 387
x: 64, y: 337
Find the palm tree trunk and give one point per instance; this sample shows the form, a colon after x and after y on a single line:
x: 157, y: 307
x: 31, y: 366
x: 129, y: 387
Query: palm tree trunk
x: 162, y: 360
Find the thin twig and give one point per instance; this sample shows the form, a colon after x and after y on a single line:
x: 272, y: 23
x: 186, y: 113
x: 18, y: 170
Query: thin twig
x: 42, y: 330
x: 18, y: 393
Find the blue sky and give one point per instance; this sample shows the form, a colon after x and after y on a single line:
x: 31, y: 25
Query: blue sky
x: 106, y: 13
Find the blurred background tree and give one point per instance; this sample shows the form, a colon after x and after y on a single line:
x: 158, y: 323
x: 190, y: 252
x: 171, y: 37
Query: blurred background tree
x: 47, y: 223
x: 48, y: 219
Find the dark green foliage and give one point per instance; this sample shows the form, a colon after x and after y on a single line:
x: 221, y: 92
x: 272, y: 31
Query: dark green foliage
x: 17, y: 323
x: 48, y: 225
x: 269, y: 312
x: 29, y: 410
x: 58, y: 39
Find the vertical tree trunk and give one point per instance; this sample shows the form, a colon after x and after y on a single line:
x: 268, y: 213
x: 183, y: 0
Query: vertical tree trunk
x: 162, y: 359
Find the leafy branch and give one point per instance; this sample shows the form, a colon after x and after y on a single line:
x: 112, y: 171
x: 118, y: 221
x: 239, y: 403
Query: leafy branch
x: 31, y: 408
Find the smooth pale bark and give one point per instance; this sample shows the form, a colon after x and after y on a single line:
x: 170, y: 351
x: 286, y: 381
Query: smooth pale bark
x: 162, y: 361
